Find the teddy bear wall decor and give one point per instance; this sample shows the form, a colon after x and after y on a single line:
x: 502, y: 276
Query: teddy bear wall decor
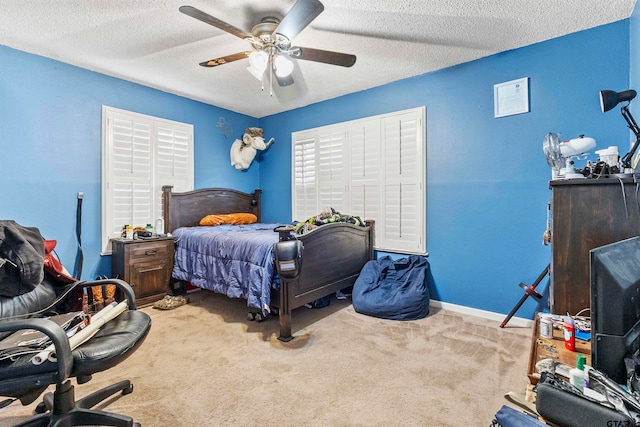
x: 244, y: 151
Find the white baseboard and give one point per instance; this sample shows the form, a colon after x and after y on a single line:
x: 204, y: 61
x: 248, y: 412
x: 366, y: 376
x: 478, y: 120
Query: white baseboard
x: 490, y: 315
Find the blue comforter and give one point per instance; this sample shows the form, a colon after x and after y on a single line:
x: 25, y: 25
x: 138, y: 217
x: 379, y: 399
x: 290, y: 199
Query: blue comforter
x: 235, y: 260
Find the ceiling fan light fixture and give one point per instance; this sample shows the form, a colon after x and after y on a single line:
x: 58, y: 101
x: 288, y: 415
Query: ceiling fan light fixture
x: 255, y: 73
x: 284, y: 66
x: 258, y: 60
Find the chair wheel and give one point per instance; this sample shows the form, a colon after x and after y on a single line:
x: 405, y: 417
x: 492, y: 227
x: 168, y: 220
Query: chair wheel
x: 251, y: 316
x: 275, y: 311
x: 128, y: 390
x: 259, y: 317
x: 41, y: 408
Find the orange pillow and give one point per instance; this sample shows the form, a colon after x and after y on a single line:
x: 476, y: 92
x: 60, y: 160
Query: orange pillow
x: 233, y: 218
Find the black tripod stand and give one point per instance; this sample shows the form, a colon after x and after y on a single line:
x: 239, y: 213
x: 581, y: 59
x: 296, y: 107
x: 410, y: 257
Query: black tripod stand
x: 528, y: 291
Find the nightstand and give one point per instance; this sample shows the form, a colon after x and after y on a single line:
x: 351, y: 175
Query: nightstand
x: 145, y: 264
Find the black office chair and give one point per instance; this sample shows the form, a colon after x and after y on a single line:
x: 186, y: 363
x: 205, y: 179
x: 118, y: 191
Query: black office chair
x: 114, y: 342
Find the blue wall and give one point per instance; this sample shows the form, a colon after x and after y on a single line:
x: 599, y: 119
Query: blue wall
x: 487, y: 178
x: 50, y: 138
x: 634, y: 54
x: 487, y: 190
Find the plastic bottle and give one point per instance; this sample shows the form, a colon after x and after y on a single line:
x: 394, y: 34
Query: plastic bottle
x: 128, y: 232
x: 546, y: 326
x: 569, y: 334
x: 149, y: 229
x: 576, y: 375
x: 160, y: 227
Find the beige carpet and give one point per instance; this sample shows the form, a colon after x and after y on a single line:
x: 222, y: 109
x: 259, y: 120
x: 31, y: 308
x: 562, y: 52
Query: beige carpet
x: 205, y: 364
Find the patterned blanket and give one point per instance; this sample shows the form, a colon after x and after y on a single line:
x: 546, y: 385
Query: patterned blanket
x: 326, y: 217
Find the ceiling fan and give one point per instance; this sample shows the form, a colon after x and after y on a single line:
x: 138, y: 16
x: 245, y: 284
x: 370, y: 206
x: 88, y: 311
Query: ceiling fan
x: 271, y: 41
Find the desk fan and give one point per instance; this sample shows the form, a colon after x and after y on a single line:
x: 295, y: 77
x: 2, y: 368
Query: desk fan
x: 560, y: 154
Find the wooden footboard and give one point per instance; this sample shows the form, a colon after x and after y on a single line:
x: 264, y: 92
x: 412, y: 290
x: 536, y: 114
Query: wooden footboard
x: 333, y: 254
x: 332, y: 258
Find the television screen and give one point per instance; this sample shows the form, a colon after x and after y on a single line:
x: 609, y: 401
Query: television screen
x: 615, y: 306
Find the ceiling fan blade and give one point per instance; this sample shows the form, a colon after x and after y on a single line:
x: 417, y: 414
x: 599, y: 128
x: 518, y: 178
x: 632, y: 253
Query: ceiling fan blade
x: 300, y: 15
x: 326, y: 56
x: 226, y: 59
x: 208, y: 19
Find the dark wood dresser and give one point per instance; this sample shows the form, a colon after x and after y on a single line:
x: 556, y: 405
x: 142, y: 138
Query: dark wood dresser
x: 146, y: 265
x: 586, y: 214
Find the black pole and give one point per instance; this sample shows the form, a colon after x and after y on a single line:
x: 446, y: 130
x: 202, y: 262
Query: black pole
x: 626, y: 160
x: 79, y: 257
x: 528, y: 291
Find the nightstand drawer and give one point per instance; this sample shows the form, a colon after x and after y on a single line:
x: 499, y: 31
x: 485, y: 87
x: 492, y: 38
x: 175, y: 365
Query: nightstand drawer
x: 150, y: 250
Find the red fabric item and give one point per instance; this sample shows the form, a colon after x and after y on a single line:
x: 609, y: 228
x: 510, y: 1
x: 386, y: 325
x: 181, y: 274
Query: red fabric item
x: 53, y: 266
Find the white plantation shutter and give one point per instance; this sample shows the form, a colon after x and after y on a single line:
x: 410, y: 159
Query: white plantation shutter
x: 364, y: 142
x: 305, y: 202
x: 402, y: 215
x: 174, y: 160
x: 376, y: 169
x: 129, y: 192
x: 131, y: 204
x: 332, y: 162
x: 140, y: 154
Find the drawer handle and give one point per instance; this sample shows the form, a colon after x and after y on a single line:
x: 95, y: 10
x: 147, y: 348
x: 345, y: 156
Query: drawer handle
x: 150, y: 252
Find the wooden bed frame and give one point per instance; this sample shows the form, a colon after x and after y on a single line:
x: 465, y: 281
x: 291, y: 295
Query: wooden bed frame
x: 333, y: 254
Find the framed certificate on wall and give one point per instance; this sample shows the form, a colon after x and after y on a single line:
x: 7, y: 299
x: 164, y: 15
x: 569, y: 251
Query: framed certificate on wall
x: 511, y: 97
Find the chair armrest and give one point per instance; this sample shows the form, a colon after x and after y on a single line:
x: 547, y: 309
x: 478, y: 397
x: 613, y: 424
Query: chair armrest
x: 54, y: 332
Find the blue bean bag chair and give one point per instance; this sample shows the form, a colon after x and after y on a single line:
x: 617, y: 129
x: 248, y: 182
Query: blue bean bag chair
x: 393, y: 289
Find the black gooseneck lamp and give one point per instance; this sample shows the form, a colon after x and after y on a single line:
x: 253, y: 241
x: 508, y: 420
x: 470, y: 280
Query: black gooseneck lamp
x: 608, y: 100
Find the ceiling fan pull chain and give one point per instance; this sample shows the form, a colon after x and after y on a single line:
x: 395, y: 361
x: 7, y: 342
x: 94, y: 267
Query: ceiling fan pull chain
x: 270, y: 75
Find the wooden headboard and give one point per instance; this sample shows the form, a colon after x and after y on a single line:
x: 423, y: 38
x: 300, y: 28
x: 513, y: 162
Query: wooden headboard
x: 188, y: 208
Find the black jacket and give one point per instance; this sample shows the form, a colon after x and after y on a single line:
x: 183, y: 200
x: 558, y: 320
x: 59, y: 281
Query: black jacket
x: 21, y: 258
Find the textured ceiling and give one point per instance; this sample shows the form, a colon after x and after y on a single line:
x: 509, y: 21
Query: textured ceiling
x: 150, y: 42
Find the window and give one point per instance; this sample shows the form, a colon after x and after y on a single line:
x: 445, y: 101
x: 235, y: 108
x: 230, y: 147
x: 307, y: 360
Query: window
x: 140, y: 154
x: 374, y: 168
